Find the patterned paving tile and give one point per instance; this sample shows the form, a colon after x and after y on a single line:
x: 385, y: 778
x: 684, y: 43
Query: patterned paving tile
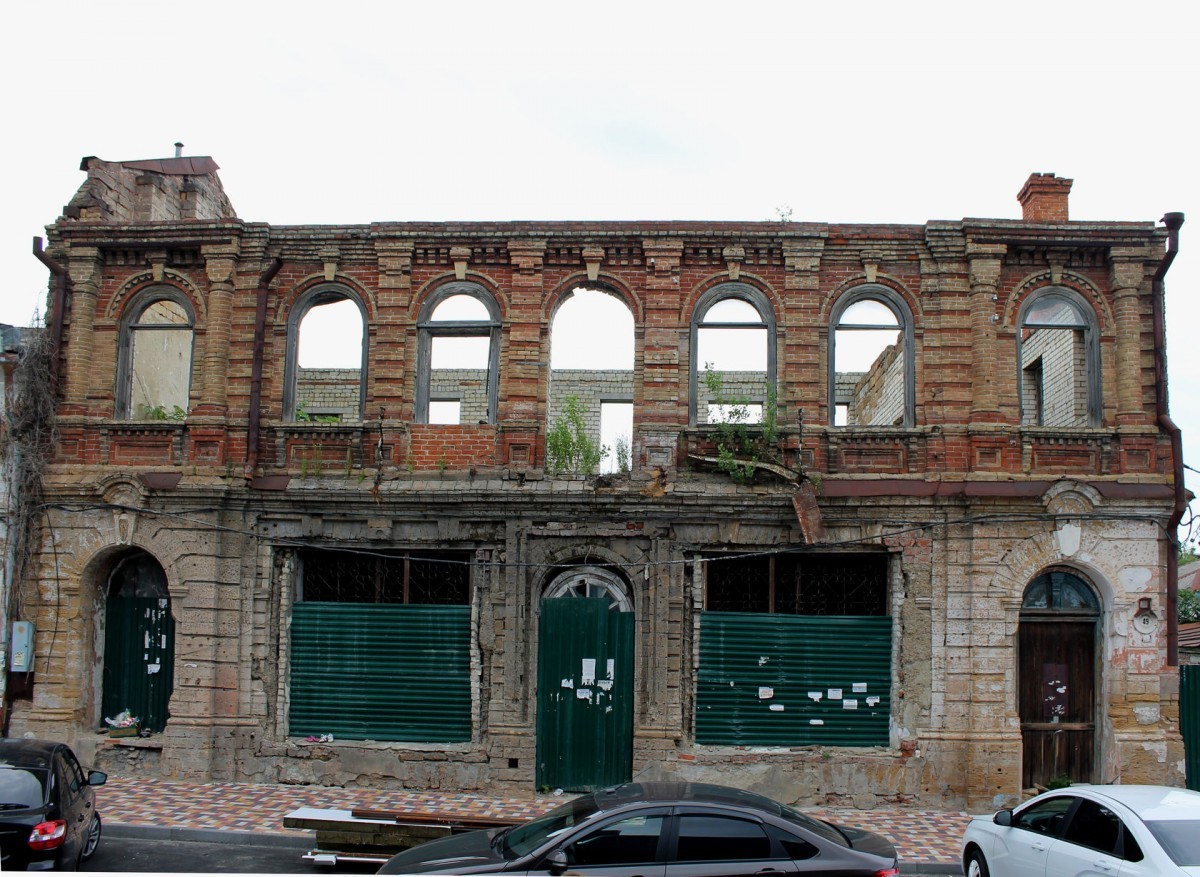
x: 919, y: 835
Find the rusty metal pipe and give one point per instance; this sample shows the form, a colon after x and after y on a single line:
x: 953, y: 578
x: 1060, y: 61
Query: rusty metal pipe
x: 1172, y: 221
x: 256, y: 368
x: 58, y: 307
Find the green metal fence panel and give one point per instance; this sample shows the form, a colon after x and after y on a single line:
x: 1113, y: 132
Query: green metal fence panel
x: 139, y: 659
x: 791, y: 680
x: 1189, y: 721
x: 365, y: 671
x: 585, y: 695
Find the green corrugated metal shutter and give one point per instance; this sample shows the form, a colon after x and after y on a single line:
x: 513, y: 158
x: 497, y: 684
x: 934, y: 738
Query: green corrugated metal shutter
x: 791, y: 680
x: 365, y: 671
x: 1189, y: 720
x: 139, y: 659
x: 585, y: 694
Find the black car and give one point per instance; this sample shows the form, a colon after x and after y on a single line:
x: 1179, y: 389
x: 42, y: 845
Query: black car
x: 659, y: 830
x: 48, y: 817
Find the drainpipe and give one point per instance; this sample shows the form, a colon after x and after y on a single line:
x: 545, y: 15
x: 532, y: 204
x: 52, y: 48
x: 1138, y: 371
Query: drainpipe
x: 256, y: 368
x: 59, y: 309
x: 1172, y: 221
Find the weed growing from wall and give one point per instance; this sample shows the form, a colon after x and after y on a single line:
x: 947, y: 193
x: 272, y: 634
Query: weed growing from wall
x: 569, y: 448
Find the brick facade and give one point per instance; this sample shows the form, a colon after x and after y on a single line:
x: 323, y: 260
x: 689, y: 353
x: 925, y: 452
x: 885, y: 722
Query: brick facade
x: 969, y: 505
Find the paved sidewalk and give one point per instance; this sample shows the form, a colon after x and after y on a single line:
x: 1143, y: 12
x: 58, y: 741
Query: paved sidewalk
x: 926, y: 836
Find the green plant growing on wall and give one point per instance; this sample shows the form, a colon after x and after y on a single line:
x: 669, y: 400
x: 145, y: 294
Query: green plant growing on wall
x: 161, y: 412
x: 569, y: 448
x: 304, y: 416
x: 741, y: 444
x: 621, y: 452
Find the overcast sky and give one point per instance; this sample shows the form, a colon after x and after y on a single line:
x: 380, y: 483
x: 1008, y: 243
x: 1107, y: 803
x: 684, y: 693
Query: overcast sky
x: 864, y: 112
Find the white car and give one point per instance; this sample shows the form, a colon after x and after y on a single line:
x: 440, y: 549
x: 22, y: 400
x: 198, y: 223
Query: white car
x: 1123, y: 831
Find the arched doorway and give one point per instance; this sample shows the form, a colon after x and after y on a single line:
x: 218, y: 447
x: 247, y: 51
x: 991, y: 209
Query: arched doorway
x: 139, y: 641
x: 1057, y: 679
x: 585, y: 681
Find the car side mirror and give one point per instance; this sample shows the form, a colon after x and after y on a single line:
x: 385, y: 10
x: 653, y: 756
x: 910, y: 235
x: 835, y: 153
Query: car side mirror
x: 556, y: 863
x: 1003, y: 817
x: 97, y: 778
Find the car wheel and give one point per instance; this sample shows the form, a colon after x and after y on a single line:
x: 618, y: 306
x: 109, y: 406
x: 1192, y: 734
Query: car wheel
x: 92, y: 840
x: 976, y: 865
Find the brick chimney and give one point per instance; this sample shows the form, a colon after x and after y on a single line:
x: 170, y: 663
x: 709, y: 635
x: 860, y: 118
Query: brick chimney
x: 1044, y: 198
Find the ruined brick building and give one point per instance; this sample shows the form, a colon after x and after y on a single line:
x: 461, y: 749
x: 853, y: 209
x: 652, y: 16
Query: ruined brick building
x: 889, y: 519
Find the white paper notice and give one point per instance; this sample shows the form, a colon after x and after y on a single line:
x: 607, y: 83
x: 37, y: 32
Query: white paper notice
x: 765, y: 693
x: 816, y: 721
x: 849, y: 704
x: 859, y: 687
x: 814, y: 696
x: 776, y: 707
x: 589, y: 671
x: 834, y: 694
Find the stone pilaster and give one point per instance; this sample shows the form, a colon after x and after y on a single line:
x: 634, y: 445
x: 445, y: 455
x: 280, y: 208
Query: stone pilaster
x: 84, y: 269
x: 524, y: 383
x: 220, y: 264
x: 1126, y: 271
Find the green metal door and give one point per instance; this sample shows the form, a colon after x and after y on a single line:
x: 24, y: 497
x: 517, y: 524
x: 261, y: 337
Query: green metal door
x: 1189, y: 720
x: 139, y: 658
x: 585, y: 694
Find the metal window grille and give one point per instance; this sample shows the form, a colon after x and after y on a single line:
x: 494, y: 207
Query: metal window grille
x: 798, y: 584
x: 441, y: 578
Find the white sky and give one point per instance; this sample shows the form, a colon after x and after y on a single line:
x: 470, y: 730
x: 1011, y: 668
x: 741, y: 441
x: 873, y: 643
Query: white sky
x: 863, y: 112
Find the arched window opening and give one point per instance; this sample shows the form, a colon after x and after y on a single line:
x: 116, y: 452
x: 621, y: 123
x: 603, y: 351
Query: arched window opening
x: 733, y: 356
x: 590, y: 424
x: 592, y: 582
x: 1057, y: 352
x: 871, y: 360
x: 157, y: 358
x: 328, y: 358
x: 458, y: 353
x: 1060, y: 591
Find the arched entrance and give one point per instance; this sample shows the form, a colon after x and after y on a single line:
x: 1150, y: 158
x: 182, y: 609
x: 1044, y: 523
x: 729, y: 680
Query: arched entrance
x: 1057, y: 679
x: 585, y: 681
x: 139, y: 641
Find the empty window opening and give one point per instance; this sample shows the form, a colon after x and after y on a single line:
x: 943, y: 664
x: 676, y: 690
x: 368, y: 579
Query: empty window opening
x: 798, y: 584
x: 869, y: 366
x: 616, y: 436
x: 733, y: 377
x: 591, y: 361
x: 329, y: 360
x: 1054, y: 352
x: 458, y: 355
x: 427, y: 577
x: 159, y: 341
x: 445, y: 411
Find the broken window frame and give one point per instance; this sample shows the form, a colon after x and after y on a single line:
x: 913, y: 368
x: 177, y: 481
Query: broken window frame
x: 325, y: 293
x: 778, y: 581
x: 758, y: 300
x: 428, y: 330
x: 1091, y: 347
x: 894, y: 302
x: 130, y: 326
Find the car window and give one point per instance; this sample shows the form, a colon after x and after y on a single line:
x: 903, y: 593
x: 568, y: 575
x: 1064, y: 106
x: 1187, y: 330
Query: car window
x: 1044, y: 817
x: 797, y: 848
x: 629, y: 841
x: 1179, y: 838
x: 1094, y: 826
x: 708, y: 838
x: 21, y: 788
x: 74, y: 771
x: 62, y: 779
x: 524, y: 839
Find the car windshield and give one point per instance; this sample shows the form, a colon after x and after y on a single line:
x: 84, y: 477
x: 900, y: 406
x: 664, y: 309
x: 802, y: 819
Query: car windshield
x: 1179, y: 838
x: 22, y: 788
x: 528, y: 837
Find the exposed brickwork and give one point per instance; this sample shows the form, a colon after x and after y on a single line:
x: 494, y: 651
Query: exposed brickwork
x: 971, y: 504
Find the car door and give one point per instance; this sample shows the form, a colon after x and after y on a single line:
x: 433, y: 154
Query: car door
x: 1091, y: 844
x: 629, y: 845
x: 1021, y: 849
x: 67, y: 791
x: 708, y: 844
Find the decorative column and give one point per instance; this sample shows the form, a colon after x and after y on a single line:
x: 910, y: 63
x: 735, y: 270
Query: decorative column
x: 84, y: 270
x: 221, y: 265
x: 1126, y: 270
x: 985, y: 262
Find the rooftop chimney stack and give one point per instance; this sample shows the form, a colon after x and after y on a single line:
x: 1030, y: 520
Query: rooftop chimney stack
x: 178, y: 149
x: 1044, y: 198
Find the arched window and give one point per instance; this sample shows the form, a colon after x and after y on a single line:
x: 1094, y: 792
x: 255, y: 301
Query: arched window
x: 327, y: 357
x: 1059, y: 356
x: 156, y: 356
x: 733, y: 355
x: 1060, y: 591
x: 588, y: 580
x: 871, y: 359
x: 458, y: 356
x: 590, y: 424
